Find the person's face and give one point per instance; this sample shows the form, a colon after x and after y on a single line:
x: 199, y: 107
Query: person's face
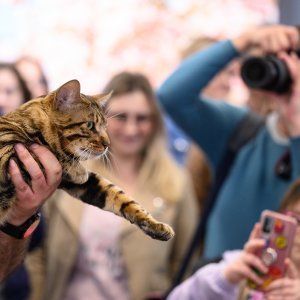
x: 295, y: 253
x: 130, y: 124
x: 219, y: 87
x: 11, y: 96
x: 32, y: 76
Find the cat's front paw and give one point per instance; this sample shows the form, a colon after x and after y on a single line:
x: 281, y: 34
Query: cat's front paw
x: 158, y: 231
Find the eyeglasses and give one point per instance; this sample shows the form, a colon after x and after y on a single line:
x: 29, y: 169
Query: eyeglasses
x: 139, y: 119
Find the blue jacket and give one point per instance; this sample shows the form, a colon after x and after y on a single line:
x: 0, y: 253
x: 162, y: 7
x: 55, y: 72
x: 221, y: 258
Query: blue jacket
x: 252, y: 184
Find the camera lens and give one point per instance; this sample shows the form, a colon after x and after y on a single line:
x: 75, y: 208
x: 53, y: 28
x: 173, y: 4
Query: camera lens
x: 267, y: 73
x: 267, y: 225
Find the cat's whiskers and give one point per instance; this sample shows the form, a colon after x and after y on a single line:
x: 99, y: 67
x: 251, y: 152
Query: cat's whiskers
x: 105, y: 159
x: 113, y: 167
x: 113, y: 116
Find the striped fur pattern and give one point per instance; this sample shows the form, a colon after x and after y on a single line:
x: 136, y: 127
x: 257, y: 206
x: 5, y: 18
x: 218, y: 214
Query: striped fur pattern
x: 73, y: 126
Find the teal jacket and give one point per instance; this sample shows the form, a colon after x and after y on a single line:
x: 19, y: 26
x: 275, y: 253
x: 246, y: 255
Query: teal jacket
x: 252, y: 184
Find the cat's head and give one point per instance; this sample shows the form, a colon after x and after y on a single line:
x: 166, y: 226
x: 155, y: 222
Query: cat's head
x: 80, y: 121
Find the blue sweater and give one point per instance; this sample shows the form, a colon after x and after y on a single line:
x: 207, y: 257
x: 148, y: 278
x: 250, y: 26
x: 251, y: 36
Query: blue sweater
x: 252, y: 184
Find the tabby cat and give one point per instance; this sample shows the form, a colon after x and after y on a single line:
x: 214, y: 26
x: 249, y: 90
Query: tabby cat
x: 73, y: 126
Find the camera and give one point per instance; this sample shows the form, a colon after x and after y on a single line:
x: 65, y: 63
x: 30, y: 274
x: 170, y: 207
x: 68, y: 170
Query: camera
x: 267, y: 73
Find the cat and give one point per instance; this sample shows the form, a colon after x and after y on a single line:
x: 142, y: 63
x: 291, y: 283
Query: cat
x: 73, y: 126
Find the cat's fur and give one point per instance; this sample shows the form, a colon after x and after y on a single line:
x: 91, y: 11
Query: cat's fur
x: 73, y: 126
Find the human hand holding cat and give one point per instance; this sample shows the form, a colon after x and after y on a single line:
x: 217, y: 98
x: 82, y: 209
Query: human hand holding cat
x: 30, y: 199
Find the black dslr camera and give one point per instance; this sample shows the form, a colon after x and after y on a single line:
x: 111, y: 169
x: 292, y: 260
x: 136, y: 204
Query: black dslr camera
x: 267, y: 73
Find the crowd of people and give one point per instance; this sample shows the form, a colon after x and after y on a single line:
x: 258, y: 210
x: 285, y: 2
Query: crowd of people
x: 167, y: 150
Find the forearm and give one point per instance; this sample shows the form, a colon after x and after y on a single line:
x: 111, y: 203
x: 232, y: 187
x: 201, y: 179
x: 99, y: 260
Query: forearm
x: 207, y: 283
x: 12, y: 254
x: 185, y: 84
x: 179, y: 95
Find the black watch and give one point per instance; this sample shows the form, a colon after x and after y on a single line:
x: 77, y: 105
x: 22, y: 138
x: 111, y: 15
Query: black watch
x: 24, y: 230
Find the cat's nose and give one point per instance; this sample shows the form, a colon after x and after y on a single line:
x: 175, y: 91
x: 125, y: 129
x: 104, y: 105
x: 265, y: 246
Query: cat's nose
x: 105, y: 143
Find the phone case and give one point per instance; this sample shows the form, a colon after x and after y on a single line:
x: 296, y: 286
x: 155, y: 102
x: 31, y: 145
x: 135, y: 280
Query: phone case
x: 279, y: 231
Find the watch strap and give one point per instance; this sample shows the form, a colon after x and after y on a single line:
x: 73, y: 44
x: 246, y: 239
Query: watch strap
x: 24, y: 230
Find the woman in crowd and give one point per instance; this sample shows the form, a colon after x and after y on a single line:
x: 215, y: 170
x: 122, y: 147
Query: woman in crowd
x: 13, y: 90
x: 93, y: 254
x: 32, y: 72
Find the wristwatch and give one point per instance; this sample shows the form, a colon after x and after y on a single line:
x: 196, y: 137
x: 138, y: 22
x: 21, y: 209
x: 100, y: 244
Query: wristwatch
x: 24, y: 230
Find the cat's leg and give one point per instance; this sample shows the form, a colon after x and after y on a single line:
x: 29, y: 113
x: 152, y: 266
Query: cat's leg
x: 75, y: 172
x: 100, y: 192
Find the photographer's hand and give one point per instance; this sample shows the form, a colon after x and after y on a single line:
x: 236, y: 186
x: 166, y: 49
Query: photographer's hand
x: 269, y: 39
x: 289, y: 103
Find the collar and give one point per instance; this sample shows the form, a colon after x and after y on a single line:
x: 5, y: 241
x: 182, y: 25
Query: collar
x: 271, y: 124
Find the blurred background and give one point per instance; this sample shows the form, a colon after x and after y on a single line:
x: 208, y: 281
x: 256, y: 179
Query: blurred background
x: 91, y: 40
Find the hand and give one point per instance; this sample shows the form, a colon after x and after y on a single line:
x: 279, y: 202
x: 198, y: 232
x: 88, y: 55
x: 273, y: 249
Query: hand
x: 287, y: 288
x: 30, y: 199
x: 269, y: 39
x: 289, y: 103
x: 242, y: 267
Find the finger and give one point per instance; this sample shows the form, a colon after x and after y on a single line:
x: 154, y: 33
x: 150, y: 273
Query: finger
x: 17, y: 179
x: 249, y: 273
x: 291, y: 270
x: 292, y: 63
x: 255, y: 262
x: 52, y: 167
x: 276, y: 43
x: 279, y: 297
x: 254, y: 245
x: 294, y: 37
x: 284, y: 42
x: 283, y: 292
x: 279, y: 284
x: 255, y: 233
x: 30, y: 164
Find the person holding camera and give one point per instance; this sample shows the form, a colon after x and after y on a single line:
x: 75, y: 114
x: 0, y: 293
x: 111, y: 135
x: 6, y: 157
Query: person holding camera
x: 263, y: 167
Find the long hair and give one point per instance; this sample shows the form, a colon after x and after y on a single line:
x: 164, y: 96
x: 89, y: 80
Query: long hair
x: 24, y: 89
x: 291, y: 196
x: 158, y: 170
x: 33, y: 61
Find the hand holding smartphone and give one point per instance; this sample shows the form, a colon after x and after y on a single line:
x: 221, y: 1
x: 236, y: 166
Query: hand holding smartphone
x: 278, y: 230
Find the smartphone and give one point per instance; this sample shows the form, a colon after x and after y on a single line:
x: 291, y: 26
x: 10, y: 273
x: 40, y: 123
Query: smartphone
x: 278, y: 230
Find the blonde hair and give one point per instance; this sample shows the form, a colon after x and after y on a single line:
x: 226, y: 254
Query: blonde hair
x: 159, y: 171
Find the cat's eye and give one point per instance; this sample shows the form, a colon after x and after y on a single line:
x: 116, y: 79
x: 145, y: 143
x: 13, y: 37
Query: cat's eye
x: 90, y: 125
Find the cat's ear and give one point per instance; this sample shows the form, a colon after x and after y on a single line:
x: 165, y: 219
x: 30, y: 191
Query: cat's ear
x: 67, y: 95
x: 102, y: 99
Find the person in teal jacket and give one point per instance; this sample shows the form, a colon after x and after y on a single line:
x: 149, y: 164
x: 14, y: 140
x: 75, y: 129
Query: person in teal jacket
x: 253, y: 183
